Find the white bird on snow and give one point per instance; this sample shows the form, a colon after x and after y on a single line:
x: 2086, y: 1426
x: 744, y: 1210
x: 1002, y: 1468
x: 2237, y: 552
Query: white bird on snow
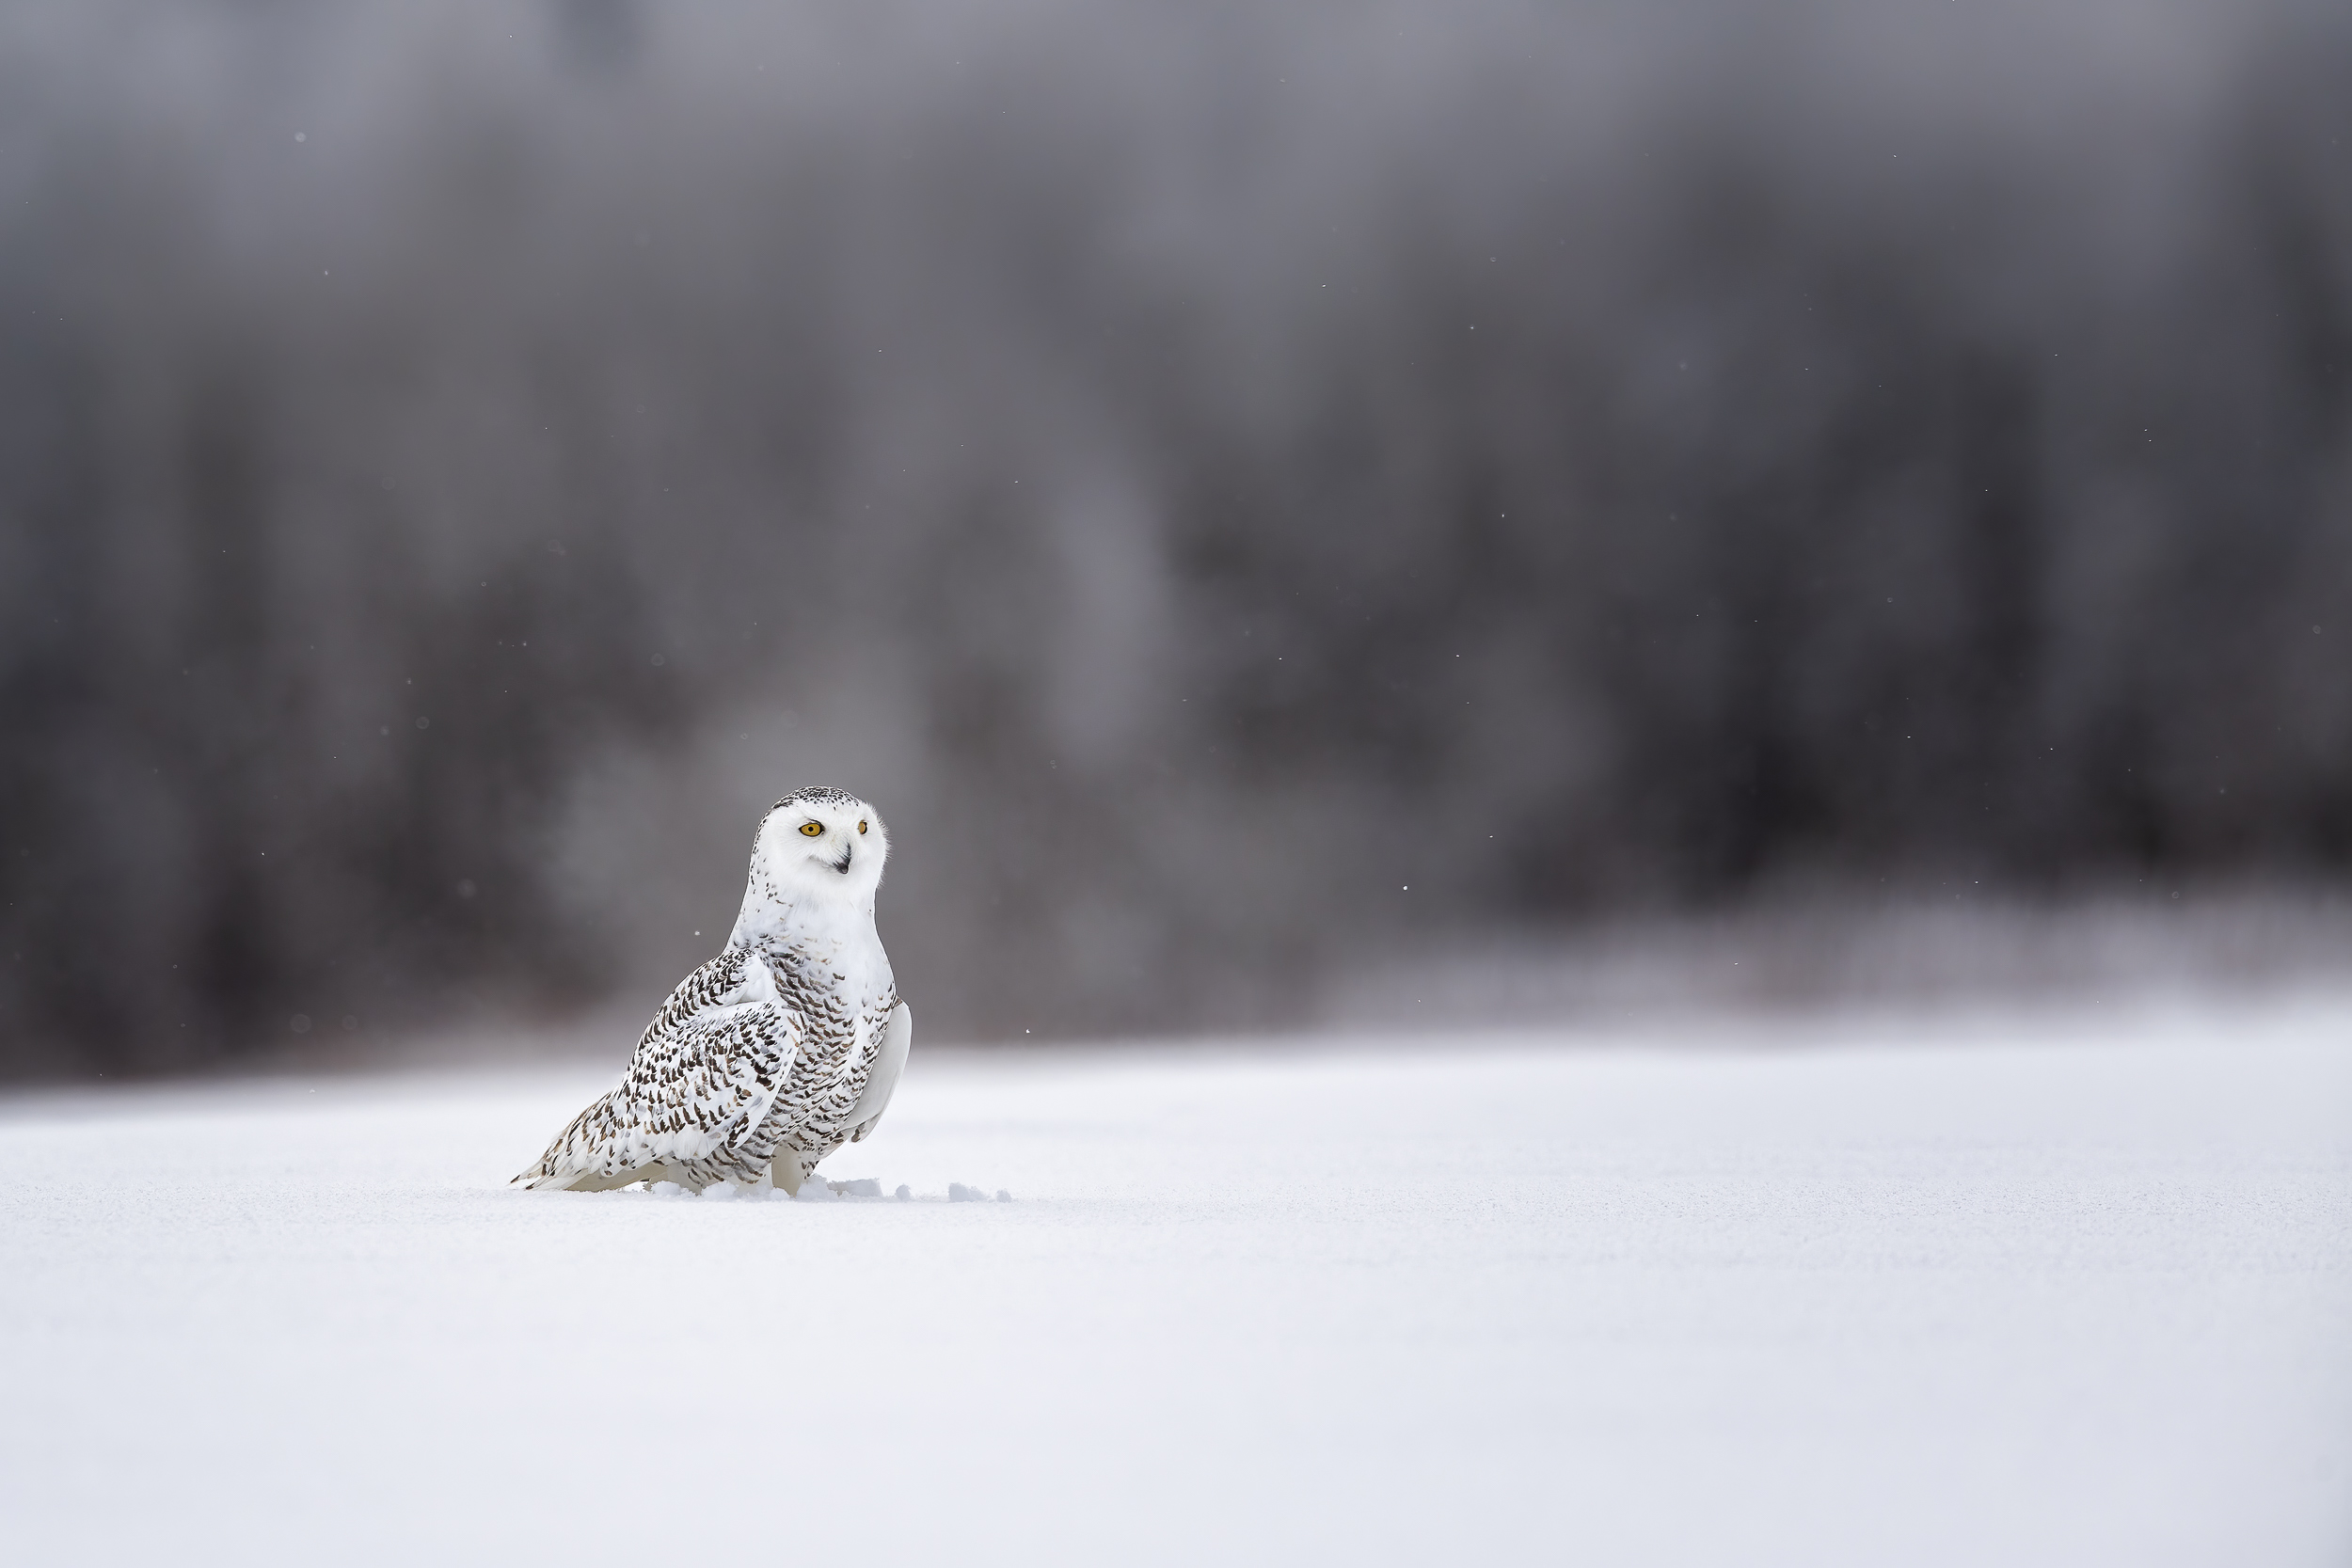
x: 777, y: 1052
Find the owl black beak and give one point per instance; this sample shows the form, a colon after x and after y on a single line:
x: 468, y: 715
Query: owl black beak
x: 842, y: 864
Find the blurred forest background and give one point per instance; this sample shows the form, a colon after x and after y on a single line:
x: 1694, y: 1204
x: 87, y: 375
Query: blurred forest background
x: 1242, y: 487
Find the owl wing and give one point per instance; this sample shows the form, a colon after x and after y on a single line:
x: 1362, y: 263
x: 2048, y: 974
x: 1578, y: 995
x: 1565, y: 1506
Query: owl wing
x: 698, y: 1092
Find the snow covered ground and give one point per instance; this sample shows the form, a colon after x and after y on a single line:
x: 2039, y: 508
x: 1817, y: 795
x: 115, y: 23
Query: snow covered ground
x: 2060, y: 1288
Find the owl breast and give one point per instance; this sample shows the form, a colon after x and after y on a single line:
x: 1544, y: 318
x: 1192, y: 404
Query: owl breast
x: 843, y: 993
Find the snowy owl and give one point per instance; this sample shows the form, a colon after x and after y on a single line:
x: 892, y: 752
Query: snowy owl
x: 778, y: 1050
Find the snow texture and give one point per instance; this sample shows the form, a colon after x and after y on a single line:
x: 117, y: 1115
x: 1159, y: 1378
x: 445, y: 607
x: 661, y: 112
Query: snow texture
x: 2029, y: 1291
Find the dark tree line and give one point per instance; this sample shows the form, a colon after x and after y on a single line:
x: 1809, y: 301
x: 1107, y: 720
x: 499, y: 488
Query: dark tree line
x: 1204, y: 471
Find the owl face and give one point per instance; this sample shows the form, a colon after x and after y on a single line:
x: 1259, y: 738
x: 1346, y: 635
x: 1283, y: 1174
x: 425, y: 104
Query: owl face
x: 822, y: 845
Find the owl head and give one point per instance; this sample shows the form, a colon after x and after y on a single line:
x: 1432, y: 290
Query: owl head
x: 820, y: 846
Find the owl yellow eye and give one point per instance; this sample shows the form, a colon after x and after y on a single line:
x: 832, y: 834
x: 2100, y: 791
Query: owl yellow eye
x: 812, y: 830
x: 861, y: 824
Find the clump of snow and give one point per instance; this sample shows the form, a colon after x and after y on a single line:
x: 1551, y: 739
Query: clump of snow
x: 959, y: 1192
x: 815, y: 1190
x: 666, y: 1188
x: 862, y: 1187
x: 904, y: 1193
x: 1003, y: 1196
x: 719, y: 1189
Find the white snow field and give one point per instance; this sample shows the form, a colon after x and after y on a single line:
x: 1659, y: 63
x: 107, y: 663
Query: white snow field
x: 2037, y: 1289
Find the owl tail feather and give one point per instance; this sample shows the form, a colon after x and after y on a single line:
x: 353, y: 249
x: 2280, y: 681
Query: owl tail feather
x: 539, y: 1179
